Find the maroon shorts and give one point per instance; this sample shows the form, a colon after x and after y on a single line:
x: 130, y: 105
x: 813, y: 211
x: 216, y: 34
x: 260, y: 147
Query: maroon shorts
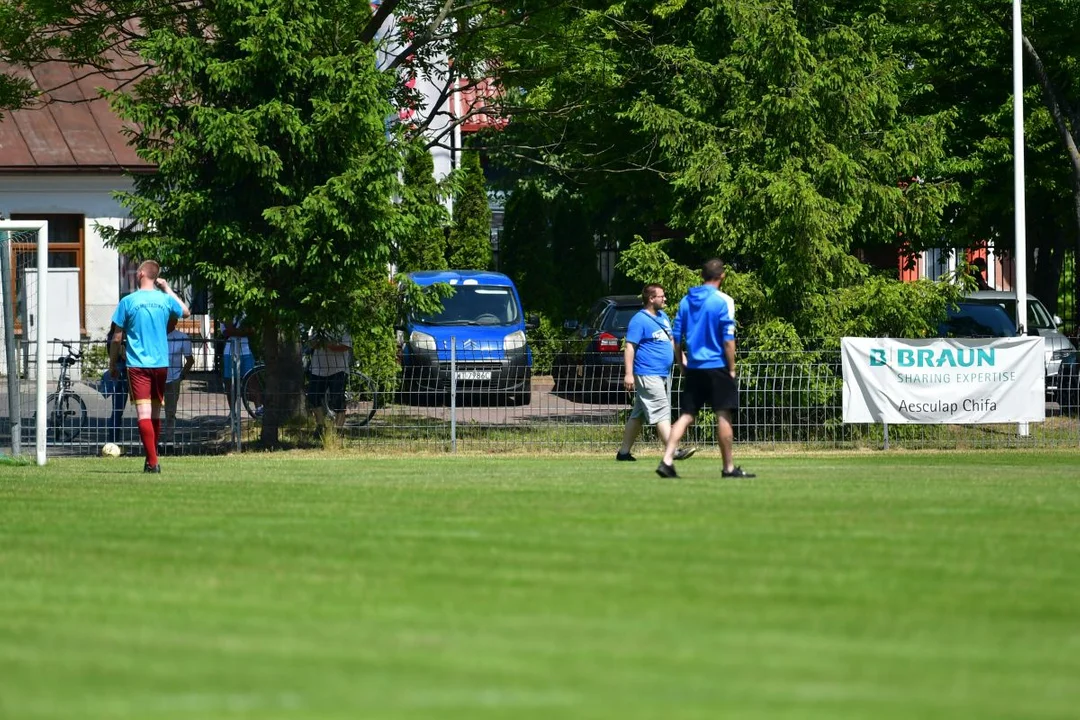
x: 147, y: 384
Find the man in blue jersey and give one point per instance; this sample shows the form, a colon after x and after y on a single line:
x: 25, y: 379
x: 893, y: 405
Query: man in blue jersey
x: 648, y: 356
x: 141, y: 320
x: 705, y: 328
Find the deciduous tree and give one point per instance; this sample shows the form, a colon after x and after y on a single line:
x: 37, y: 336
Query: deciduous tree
x: 784, y: 134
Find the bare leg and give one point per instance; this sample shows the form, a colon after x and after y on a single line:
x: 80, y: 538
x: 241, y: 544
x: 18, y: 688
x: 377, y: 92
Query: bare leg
x: 663, y: 431
x: 726, y: 435
x: 677, y: 430
x: 147, y: 432
x: 630, y: 434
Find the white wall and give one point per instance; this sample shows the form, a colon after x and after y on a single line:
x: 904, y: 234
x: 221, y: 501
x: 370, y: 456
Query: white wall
x: 429, y: 89
x: 78, y: 194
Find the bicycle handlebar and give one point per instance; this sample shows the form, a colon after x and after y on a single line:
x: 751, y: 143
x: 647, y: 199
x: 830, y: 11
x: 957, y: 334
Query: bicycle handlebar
x: 71, y: 351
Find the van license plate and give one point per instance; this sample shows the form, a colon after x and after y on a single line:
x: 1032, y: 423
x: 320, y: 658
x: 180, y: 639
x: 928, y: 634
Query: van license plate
x: 473, y: 375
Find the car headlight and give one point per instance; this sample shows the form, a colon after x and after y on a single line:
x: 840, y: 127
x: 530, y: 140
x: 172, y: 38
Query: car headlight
x: 421, y: 341
x: 514, y: 341
x: 1061, y: 354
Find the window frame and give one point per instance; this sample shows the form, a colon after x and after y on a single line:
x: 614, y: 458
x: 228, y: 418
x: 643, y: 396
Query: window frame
x: 78, y: 247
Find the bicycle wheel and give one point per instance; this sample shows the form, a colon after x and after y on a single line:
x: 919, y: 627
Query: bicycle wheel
x: 67, y: 418
x: 360, y: 399
x: 253, y: 390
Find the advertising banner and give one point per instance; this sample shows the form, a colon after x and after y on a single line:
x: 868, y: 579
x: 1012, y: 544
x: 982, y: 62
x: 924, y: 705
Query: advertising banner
x: 944, y: 381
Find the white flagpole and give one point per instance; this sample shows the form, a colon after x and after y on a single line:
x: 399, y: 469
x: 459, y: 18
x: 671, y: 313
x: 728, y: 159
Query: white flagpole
x: 1020, y: 252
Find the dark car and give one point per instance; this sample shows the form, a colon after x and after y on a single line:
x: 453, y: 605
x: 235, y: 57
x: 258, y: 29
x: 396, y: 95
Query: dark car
x: 975, y: 320
x: 1069, y: 382
x: 591, y: 360
x: 1039, y: 323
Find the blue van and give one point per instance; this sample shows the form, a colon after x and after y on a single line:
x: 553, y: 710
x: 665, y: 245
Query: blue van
x: 486, y: 324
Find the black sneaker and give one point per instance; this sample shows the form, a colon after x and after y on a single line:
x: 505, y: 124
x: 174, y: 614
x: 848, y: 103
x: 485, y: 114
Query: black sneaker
x: 738, y: 472
x: 154, y: 469
x: 684, y: 453
x: 625, y: 457
x: 666, y: 471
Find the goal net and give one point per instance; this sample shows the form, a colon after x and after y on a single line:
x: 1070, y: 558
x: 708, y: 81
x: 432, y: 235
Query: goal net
x: 24, y: 369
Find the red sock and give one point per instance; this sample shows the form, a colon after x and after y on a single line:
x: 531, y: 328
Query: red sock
x: 146, y: 433
x: 157, y: 431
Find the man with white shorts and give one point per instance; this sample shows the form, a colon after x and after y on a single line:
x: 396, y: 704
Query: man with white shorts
x: 648, y: 356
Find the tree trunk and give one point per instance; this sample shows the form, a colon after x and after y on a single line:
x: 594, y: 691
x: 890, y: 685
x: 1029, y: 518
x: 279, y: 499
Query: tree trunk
x: 1046, y: 257
x: 1066, y: 127
x: 284, y: 381
x: 1076, y: 257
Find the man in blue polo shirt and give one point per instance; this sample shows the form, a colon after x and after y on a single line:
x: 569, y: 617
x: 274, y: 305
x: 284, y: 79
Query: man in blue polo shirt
x: 705, y: 327
x: 648, y: 356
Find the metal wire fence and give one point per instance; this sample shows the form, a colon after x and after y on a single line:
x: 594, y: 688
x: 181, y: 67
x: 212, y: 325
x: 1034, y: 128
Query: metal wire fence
x: 790, y: 400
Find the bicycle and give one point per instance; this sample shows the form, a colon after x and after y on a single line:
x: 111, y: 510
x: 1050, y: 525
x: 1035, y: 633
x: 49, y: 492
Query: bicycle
x: 65, y: 411
x: 361, y: 395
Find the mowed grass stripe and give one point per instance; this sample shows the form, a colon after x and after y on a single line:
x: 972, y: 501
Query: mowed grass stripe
x: 908, y: 585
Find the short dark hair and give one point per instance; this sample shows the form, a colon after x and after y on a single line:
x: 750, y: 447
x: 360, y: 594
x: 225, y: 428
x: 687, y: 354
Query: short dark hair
x: 712, y: 270
x: 649, y: 290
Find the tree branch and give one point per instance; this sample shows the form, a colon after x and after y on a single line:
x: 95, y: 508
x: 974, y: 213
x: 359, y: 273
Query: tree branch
x: 423, y: 38
x: 1053, y: 104
x: 386, y: 9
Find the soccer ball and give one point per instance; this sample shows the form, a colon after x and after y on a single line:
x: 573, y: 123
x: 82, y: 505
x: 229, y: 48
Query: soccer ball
x: 110, y: 450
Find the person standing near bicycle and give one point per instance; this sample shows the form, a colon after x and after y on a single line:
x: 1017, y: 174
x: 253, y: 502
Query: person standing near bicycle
x: 114, y: 385
x: 237, y: 334
x: 330, y: 361
x: 181, y: 360
x: 141, y: 321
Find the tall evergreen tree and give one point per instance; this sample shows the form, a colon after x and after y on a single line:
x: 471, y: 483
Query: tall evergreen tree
x: 275, y: 178
x: 422, y: 242
x: 525, y: 252
x: 470, y: 239
x: 574, y: 254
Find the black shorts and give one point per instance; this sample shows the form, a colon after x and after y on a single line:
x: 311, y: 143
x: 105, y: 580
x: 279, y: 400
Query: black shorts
x: 330, y: 389
x: 713, y: 387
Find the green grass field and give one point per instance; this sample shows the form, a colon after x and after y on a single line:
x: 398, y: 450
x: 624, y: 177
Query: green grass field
x: 296, y: 586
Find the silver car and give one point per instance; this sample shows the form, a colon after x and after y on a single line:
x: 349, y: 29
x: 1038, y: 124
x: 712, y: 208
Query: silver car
x: 1039, y: 322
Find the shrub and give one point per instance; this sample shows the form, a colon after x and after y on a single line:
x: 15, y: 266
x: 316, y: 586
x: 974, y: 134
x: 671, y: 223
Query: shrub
x: 545, y: 342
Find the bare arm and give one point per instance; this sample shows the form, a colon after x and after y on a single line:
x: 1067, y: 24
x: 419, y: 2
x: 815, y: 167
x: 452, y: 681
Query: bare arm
x: 164, y: 285
x: 729, y: 356
x: 680, y: 356
x: 628, y: 362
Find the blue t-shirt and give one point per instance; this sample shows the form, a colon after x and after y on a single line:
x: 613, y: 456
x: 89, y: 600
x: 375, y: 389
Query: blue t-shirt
x: 651, y: 337
x: 144, y: 317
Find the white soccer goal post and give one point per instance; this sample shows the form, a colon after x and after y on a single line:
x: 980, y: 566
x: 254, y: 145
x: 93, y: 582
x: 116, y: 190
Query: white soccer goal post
x: 40, y: 228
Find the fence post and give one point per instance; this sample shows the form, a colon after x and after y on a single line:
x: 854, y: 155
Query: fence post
x: 453, y: 394
x: 886, y: 426
x: 235, y: 392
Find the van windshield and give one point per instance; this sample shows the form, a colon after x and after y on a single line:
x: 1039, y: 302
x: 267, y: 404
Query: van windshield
x: 475, y: 305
